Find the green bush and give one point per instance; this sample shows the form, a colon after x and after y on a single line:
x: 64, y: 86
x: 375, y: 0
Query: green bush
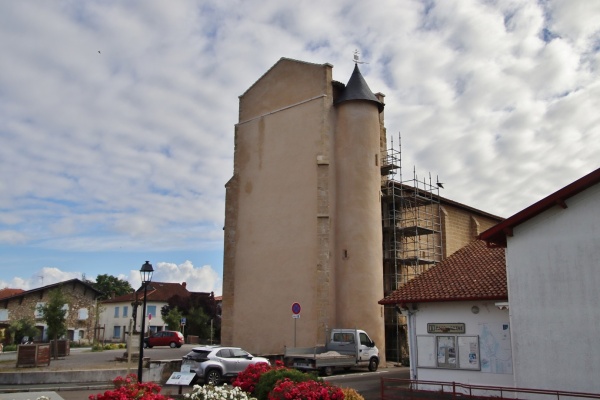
x: 269, y: 379
x: 97, y: 347
x: 10, y: 347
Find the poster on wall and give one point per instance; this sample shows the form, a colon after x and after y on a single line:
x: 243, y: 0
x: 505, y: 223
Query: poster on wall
x: 495, y: 348
x: 446, y: 351
x: 468, y: 352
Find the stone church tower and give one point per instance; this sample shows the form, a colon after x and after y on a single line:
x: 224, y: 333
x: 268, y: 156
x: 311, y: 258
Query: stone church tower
x: 303, y: 211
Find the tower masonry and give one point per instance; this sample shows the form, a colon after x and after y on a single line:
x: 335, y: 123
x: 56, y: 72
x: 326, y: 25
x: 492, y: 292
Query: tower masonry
x: 303, y: 211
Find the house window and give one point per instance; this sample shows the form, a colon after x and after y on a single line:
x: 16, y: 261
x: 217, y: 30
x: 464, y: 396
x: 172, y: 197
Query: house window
x: 117, y: 332
x: 125, y: 311
x: 151, y: 310
x: 116, y: 312
x: 39, y: 313
x: 82, y: 314
x: 65, y: 307
x: 3, y: 314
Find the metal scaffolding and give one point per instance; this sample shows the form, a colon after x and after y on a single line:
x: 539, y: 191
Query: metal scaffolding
x: 412, y: 239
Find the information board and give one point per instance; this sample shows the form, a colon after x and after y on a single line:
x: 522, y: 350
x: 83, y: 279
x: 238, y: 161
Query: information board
x: 425, y: 351
x: 468, y: 352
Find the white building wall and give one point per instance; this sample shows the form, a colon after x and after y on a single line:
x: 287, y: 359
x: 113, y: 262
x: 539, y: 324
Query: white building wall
x: 109, y: 321
x: 553, y: 266
x: 490, y: 324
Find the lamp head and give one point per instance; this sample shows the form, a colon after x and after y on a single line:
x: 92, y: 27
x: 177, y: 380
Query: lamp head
x: 146, y: 272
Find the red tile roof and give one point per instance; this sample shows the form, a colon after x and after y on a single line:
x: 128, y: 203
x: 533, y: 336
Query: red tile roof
x: 7, y: 292
x: 157, y: 291
x: 474, y: 272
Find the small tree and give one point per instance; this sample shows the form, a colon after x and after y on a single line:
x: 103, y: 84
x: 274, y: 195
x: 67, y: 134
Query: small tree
x: 173, y: 318
x: 198, y: 323
x: 20, y: 328
x: 111, y: 286
x: 55, y: 315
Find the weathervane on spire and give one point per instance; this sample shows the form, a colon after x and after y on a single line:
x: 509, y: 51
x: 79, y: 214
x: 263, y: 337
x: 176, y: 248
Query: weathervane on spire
x: 357, y: 58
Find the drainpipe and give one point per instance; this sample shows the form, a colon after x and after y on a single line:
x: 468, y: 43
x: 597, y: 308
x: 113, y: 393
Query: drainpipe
x: 411, y: 325
x: 412, y: 329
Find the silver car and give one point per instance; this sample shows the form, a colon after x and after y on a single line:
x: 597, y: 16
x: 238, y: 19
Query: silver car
x: 215, y: 364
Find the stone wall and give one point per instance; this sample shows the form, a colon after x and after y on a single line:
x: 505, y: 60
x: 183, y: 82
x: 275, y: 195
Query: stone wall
x: 460, y: 227
x: 79, y: 297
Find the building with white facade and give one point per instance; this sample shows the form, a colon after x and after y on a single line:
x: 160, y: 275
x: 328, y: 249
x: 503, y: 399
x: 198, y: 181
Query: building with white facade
x: 121, y: 314
x: 553, y: 272
x: 458, y: 321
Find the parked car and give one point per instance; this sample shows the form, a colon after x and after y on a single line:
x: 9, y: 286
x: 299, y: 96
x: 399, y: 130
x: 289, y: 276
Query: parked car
x: 216, y: 364
x: 164, y: 338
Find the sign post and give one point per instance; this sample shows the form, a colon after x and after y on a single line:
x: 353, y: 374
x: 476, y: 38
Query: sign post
x: 183, y: 321
x: 295, y: 315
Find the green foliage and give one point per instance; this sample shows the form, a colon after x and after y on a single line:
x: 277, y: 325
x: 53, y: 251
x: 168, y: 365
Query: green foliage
x: 269, y: 379
x: 111, y: 286
x: 198, y: 323
x: 97, y: 347
x: 173, y: 318
x: 10, y: 347
x: 55, y: 313
x: 21, y: 328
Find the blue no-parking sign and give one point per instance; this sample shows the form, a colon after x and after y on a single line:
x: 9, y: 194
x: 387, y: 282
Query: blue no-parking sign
x: 296, y: 308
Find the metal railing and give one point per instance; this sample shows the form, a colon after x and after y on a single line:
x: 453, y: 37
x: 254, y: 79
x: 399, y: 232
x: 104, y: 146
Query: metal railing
x: 406, y: 389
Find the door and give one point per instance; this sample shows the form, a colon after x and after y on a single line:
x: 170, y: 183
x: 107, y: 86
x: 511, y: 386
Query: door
x: 365, y: 347
x: 243, y: 359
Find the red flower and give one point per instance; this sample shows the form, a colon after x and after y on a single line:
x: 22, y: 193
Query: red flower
x: 127, y: 388
x: 248, y: 378
x: 308, y: 390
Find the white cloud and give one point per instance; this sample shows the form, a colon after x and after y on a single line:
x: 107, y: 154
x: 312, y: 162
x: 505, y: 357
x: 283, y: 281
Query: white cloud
x: 129, y: 148
x: 197, y: 279
x: 45, y: 276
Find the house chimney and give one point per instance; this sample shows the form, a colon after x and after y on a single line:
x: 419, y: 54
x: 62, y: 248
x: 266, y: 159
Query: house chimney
x: 184, y: 284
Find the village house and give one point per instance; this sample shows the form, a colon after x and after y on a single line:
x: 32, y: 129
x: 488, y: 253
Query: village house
x: 458, y: 320
x: 16, y: 304
x: 121, y: 314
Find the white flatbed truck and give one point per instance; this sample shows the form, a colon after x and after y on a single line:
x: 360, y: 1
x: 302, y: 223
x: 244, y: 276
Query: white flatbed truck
x: 346, y: 348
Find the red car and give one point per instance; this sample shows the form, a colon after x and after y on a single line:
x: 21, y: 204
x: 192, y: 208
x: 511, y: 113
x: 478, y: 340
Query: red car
x: 164, y: 338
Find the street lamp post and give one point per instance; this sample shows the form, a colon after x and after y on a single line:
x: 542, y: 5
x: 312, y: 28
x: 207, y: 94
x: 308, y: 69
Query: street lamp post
x: 146, y: 273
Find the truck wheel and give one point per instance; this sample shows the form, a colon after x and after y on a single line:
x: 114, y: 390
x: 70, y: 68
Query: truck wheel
x: 213, y: 377
x: 373, y: 364
x: 327, y: 371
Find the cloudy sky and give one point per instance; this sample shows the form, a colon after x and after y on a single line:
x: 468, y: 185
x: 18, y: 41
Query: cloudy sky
x: 117, y: 117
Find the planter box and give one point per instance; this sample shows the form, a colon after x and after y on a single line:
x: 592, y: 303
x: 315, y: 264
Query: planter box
x: 33, y: 355
x: 63, y: 349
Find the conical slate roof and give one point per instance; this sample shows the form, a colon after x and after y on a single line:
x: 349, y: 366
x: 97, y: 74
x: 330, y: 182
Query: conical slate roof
x: 357, y: 89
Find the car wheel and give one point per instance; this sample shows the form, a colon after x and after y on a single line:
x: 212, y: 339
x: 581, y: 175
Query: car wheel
x: 173, y: 345
x: 327, y: 371
x: 213, y: 377
x: 373, y: 364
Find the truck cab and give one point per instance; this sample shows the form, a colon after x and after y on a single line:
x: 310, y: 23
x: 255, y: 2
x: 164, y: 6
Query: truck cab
x: 356, y: 342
